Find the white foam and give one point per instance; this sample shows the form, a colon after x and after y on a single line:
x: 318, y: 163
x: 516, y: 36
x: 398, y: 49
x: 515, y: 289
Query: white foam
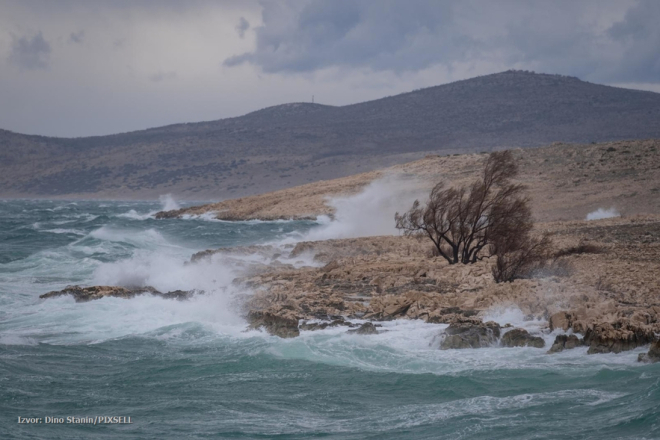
x: 601, y: 213
x: 64, y: 231
x: 134, y: 215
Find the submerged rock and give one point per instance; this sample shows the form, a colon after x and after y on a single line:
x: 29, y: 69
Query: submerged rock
x: 565, y: 342
x: 368, y: 328
x: 84, y: 294
x: 519, y: 337
x: 653, y: 354
x: 617, y: 337
x: 276, y: 324
x: 339, y: 321
x: 470, y: 334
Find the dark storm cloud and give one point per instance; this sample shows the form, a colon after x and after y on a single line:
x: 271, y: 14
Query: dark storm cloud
x: 382, y: 35
x: 639, y: 33
x: 30, y: 53
x: 243, y: 26
x: 557, y: 37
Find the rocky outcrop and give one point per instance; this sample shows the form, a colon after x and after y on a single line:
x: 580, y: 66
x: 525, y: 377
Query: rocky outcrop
x: 560, y: 320
x: 338, y: 321
x: 84, y: 294
x: 653, y: 354
x: 519, y: 337
x: 470, y: 334
x: 276, y: 324
x: 565, y: 342
x: 368, y: 328
x: 617, y: 337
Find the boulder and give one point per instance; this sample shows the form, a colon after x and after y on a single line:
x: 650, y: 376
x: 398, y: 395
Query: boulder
x: 368, y: 328
x: 560, y: 320
x: 84, y: 294
x: 653, y: 355
x: 470, y: 334
x: 565, y: 342
x: 519, y: 337
x: 323, y: 325
x: 617, y: 337
x: 277, y: 324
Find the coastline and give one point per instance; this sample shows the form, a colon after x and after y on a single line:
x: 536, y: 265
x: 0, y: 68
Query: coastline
x: 602, y: 283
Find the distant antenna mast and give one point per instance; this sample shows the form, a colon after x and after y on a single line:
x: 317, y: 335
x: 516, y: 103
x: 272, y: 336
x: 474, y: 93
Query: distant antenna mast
x: 312, y: 99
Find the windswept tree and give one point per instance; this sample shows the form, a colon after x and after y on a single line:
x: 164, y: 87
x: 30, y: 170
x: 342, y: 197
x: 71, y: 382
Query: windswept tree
x: 489, y: 217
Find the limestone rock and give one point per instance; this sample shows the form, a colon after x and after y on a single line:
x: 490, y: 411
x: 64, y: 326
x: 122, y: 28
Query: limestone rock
x: 560, y: 320
x: 275, y: 323
x: 339, y: 321
x: 617, y: 337
x: 519, y: 337
x: 565, y: 342
x: 368, y: 328
x: 653, y: 355
x: 84, y: 294
x: 470, y: 334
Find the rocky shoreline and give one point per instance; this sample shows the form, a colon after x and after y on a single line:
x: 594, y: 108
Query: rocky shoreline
x: 603, y: 293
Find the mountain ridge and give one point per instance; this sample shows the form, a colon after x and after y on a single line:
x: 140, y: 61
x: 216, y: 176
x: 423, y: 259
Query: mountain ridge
x: 296, y: 143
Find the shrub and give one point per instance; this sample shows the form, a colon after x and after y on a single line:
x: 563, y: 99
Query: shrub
x: 489, y: 217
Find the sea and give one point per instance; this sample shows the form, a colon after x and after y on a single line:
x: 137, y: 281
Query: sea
x: 151, y: 368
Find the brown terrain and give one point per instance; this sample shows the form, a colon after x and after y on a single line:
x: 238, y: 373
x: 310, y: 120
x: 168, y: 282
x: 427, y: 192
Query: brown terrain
x: 565, y: 182
x: 601, y: 286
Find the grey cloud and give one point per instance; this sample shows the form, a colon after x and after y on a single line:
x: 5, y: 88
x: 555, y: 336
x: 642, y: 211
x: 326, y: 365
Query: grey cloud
x: 556, y: 37
x: 162, y: 76
x: 30, y: 53
x: 243, y: 26
x: 77, y: 37
x: 639, y: 34
x: 382, y: 35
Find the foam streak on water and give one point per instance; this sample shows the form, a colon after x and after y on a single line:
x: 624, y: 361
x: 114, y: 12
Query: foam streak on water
x: 190, y: 370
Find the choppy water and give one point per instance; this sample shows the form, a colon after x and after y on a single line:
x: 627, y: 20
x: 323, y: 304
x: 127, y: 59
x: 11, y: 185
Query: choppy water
x: 188, y: 369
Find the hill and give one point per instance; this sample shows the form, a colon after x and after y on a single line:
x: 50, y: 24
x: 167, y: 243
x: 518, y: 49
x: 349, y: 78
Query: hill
x: 564, y: 182
x: 293, y: 144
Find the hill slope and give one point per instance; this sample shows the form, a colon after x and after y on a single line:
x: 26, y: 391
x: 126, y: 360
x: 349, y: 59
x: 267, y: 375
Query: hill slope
x: 293, y: 144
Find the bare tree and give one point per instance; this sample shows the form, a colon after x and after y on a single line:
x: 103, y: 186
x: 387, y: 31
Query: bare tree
x: 489, y: 217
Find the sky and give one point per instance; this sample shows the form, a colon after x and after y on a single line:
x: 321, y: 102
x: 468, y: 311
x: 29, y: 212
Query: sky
x: 81, y: 68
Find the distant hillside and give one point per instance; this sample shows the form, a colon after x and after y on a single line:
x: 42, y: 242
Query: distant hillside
x: 293, y: 144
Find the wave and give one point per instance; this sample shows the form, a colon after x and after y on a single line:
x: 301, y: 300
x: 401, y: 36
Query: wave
x: 134, y: 215
x: 64, y: 231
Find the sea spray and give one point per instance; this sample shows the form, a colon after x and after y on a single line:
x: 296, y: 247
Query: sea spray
x: 371, y: 211
x: 168, y: 203
x: 602, y: 213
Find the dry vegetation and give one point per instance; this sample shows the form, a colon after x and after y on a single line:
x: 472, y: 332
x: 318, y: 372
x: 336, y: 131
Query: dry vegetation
x: 564, y: 182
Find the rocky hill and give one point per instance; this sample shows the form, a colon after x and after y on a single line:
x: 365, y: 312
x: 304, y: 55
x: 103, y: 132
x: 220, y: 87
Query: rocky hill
x: 293, y: 144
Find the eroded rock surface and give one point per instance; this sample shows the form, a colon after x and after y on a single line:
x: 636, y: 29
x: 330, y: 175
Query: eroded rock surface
x: 565, y: 342
x: 470, y: 334
x: 84, y: 294
x: 622, y: 336
x: 653, y: 354
x: 519, y: 337
x: 368, y: 328
x: 276, y: 324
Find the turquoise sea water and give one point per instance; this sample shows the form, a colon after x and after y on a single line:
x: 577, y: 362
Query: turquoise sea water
x: 189, y: 370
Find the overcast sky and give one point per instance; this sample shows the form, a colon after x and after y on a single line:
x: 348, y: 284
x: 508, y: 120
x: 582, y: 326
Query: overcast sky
x: 78, y: 68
